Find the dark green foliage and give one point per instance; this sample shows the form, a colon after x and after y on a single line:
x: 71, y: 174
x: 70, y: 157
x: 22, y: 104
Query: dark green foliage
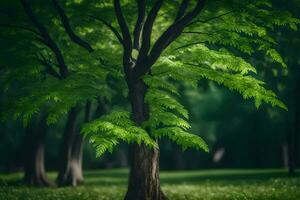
x: 229, y: 33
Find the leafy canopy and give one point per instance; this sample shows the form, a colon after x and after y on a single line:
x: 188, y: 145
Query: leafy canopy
x: 216, y: 45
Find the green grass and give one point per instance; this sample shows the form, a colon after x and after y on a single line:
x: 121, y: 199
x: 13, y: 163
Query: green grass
x: 185, y: 185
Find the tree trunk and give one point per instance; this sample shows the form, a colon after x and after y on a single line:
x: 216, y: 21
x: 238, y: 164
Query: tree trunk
x: 297, y: 127
x: 75, y: 176
x: 34, y: 155
x: 70, y: 172
x: 74, y: 173
x: 121, y: 157
x: 144, y: 183
x: 64, y: 173
x: 178, y: 159
x: 291, y: 147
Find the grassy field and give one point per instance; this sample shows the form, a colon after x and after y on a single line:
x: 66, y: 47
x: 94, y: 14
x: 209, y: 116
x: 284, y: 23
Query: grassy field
x: 186, y: 185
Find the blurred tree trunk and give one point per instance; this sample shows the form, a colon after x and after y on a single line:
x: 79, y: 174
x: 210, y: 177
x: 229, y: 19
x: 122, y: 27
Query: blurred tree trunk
x: 297, y: 137
x: 291, y: 132
x: 75, y: 175
x: 34, y: 156
x: 294, y: 130
x: 297, y: 122
x: 121, y: 157
x: 178, y: 159
x: 70, y: 172
x: 291, y: 152
x: 64, y: 173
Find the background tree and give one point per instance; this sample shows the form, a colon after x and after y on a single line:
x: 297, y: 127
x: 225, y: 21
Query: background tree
x: 291, y: 87
x: 57, y: 64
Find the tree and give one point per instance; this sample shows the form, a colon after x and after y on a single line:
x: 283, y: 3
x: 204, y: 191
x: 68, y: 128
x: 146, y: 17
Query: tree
x: 286, y: 83
x: 50, y: 91
x: 292, y: 86
x: 154, y: 61
x: 224, y: 28
x: 34, y: 169
x: 34, y: 159
x: 70, y: 171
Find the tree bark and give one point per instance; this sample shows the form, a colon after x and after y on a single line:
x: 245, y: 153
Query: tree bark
x: 75, y: 175
x: 144, y: 183
x: 65, y: 173
x: 291, y: 145
x: 34, y: 168
x: 70, y: 172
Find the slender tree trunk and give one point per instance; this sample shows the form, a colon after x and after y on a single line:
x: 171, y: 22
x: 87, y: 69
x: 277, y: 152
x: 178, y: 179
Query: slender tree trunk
x: 121, y: 157
x: 294, y: 129
x: 144, y: 183
x: 291, y: 146
x: 34, y: 156
x: 64, y: 175
x: 297, y: 127
x: 178, y: 159
x: 74, y: 173
x: 297, y: 137
x: 70, y: 172
x: 75, y: 176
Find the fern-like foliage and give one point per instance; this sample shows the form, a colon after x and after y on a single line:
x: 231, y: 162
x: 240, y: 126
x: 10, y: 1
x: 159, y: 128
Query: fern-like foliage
x: 108, y: 131
x: 241, y: 25
x: 232, y: 73
x: 182, y: 137
x: 59, y: 95
x: 168, y: 117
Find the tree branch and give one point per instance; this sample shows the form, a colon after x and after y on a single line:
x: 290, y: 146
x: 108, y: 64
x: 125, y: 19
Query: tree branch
x: 139, y: 24
x: 46, y: 39
x: 169, y: 36
x: 174, y: 31
x: 65, y: 21
x: 182, y: 9
x: 115, y: 31
x: 21, y: 27
x: 188, y: 45
x: 48, y: 67
x: 127, y: 43
x: 199, y: 32
x: 147, y: 31
x: 210, y: 19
